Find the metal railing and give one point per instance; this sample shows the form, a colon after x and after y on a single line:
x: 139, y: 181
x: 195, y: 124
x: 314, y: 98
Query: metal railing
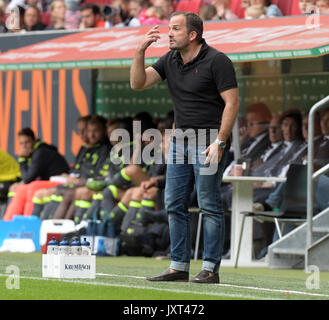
x: 311, y: 175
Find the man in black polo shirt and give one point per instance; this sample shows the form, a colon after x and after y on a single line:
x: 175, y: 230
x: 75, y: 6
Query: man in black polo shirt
x: 204, y: 91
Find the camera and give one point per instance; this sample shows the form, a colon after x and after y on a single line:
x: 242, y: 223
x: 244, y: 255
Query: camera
x: 110, y: 11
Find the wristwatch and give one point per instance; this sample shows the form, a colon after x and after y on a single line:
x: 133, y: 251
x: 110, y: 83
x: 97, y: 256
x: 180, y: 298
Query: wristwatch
x: 222, y: 144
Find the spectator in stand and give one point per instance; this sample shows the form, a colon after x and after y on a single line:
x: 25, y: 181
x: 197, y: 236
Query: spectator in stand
x: 307, y: 6
x: 72, y: 14
x: 272, y: 10
x: 223, y: 10
x: 91, y: 17
x: 3, y: 28
x: 36, y: 3
x: 255, y: 12
x: 32, y: 19
x: 323, y: 6
x: 118, y: 14
x: 57, y: 11
x: 245, y: 4
x: 167, y: 7
x: 43, y: 6
x: 135, y: 9
x: 153, y: 15
x: 208, y: 12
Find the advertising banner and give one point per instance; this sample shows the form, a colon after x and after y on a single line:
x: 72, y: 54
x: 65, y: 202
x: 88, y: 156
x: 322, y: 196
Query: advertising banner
x: 242, y: 40
x: 49, y: 102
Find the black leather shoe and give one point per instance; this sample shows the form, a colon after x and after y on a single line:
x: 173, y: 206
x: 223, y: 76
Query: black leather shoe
x: 174, y: 276
x: 206, y: 277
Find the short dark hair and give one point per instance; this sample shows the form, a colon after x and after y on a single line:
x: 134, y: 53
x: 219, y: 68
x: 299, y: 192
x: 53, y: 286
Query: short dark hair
x: 84, y: 118
x: 28, y: 132
x: 98, y: 120
x: 298, y: 118
x: 94, y: 7
x: 35, y: 8
x: 193, y: 23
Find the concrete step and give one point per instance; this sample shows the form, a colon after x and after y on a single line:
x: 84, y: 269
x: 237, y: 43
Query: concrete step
x: 321, y: 229
x: 290, y: 251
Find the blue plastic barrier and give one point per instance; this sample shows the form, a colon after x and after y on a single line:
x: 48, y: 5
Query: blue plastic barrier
x: 21, y: 228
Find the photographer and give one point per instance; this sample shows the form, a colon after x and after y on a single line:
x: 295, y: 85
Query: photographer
x: 117, y: 15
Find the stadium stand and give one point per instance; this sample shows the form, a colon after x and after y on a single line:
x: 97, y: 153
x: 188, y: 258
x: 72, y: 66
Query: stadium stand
x: 189, y: 5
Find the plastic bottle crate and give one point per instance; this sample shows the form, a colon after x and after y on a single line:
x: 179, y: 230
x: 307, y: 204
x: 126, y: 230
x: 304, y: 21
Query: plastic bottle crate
x: 68, y: 267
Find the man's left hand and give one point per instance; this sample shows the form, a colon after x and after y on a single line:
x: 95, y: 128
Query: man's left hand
x: 214, y: 154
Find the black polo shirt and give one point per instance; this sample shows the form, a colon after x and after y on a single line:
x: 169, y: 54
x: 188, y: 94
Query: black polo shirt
x: 195, y: 87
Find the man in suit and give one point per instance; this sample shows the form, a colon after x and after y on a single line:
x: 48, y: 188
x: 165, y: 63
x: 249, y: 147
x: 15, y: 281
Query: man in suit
x: 269, y: 156
x: 291, y: 126
x: 321, y: 150
x: 258, y: 117
x: 273, y: 151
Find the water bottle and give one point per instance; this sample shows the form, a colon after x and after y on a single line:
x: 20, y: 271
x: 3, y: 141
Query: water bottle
x: 76, y: 247
x: 85, y: 247
x: 52, y: 247
x: 64, y: 247
x: 101, y: 250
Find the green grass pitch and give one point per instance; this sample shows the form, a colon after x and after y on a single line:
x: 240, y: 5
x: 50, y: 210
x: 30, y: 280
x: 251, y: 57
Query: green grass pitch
x: 123, y: 278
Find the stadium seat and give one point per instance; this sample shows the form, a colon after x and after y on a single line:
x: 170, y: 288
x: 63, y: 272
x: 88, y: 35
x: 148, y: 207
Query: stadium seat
x: 189, y: 5
x: 295, y: 196
x: 295, y: 8
x: 46, y: 18
x: 236, y: 8
x: 284, y: 6
x: 99, y: 2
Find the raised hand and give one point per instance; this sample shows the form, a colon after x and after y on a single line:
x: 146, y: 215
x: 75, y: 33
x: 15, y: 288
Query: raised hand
x: 153, y: 35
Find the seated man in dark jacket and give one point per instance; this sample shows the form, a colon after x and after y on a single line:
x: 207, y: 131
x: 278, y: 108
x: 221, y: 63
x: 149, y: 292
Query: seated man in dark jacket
x: 89, y: 164
x: 38, y: 161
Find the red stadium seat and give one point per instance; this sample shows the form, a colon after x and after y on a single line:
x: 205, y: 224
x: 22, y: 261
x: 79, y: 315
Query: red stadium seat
x: 189, y: 5
x: 295, y: 8
x: 46, y: 18
x: 284, y: 6
x: 236, y: 8
x: 99, y: 2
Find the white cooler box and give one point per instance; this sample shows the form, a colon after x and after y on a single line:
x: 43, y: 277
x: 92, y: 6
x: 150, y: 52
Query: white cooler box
x: 54, y: 228
x: 69, y: 267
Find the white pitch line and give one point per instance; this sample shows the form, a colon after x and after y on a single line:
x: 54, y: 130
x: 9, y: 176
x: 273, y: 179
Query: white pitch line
x: 233, y: 286
x: 95, y: 283
x: 117, y: 275
x: 177, y: 290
